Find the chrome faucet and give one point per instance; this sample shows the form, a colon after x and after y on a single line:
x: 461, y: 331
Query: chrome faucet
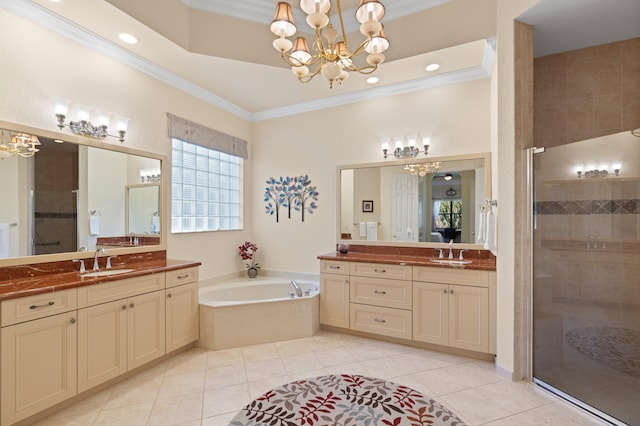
x: 95, y: 258
x: 450, y: 249
x: 297, y: 287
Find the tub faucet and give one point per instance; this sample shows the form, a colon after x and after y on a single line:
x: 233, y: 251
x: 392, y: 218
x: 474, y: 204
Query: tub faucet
x: 297, y: 287
x: 95, y: 258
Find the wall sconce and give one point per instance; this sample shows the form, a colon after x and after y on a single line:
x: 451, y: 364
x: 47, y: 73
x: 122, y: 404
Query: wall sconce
x: 597, y: 172
x: 83, y: 126
x: 149, y: 175
x: 410, y: 151
x: 421, y: 169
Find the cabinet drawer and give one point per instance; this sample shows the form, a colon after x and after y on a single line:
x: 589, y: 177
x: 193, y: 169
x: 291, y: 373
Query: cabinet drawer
x: 114, y: 290
x: 451, y: 276
x: 381, y: 292
x: 381, y: 270
x: 39, y: 306
x: 385, y: 321
x: 182, y: 276
x: 334, y: 267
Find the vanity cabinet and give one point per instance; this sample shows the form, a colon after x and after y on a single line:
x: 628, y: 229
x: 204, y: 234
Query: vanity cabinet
x: 182, y: 317
x: 334, y: 293
x: 39, y: 353
x: 56, y: 345
x: 381, y: 299
x: 451, y: 307
x: 123, y: 332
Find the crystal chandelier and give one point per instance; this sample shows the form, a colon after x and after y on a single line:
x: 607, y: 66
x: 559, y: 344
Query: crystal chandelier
x: 22, y: 144
x: 421, y: 169
x: 332, y: 58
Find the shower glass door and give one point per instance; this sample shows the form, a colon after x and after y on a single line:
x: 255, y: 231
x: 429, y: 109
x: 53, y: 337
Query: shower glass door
x: 586, y: 284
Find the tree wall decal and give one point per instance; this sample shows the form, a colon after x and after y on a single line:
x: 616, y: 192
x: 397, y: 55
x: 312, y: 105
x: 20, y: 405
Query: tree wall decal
x: 295, y: 193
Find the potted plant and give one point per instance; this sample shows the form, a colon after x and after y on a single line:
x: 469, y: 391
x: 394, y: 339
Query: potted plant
x: 248, y: 253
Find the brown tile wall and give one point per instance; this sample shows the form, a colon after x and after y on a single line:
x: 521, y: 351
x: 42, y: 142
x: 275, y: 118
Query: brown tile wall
x: 587, y: 93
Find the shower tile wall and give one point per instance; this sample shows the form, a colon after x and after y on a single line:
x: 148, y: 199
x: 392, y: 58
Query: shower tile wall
x: 587, y: 93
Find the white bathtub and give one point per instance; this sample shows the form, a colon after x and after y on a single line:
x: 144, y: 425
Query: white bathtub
x: 243, y: 312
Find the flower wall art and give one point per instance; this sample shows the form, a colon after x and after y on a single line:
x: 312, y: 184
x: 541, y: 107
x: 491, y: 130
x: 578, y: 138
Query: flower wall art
x: 290, y: 194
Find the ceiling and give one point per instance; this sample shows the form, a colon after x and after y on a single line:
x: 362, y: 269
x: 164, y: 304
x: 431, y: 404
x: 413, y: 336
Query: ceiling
x: 220, y: 50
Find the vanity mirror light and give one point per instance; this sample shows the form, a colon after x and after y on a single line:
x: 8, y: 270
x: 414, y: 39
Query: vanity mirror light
x: 74, y: 196
x: 417, y: 207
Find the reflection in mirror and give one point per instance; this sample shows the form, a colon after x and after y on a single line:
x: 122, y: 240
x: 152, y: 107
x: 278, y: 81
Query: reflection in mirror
x: 67, y: 196
x: 143, y: 209
x: 437, y: 207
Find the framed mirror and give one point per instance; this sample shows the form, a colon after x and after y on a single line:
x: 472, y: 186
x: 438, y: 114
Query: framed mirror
x: 72, y: 196
x: 420, y: 202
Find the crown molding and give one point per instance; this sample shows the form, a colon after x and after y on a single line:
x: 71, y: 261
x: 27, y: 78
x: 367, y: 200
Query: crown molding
x: 474, y: 73
x: 42, y: 16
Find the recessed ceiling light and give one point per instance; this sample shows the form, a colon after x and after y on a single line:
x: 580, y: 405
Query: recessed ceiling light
x: 432, y: 67
x: 128, y: 38
x: 373, y: 80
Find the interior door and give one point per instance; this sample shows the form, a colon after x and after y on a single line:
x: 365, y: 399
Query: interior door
x: 404, y: 208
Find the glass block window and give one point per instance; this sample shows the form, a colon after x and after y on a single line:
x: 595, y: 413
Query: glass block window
x: 206, y: 188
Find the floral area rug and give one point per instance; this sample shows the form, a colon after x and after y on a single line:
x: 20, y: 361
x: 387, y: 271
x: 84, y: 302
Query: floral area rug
x: 617, y: 348
x: 344, y: 400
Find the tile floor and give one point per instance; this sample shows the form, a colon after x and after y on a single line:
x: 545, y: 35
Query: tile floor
x: 207, y: 388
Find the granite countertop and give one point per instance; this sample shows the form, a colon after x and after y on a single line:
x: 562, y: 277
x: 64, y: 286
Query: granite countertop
x: 32, y: 279
x: 482, y: 264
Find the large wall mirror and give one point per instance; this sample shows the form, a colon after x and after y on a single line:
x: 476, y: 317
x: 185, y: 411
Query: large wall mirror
x: 76, y: 195
x: 424, y: 202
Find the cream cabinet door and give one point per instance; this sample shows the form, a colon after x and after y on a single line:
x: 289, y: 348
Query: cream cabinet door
x: 182, y: 316
x: 431, y: 313
x: 469, y: 318
x: 145, y: 328
x: 38, y: 365
x: 102, y: 343
x: 334, y: 300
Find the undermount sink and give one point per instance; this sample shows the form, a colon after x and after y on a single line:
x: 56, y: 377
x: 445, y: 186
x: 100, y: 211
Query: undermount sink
x: 107, y: 272
x: 450, y: 261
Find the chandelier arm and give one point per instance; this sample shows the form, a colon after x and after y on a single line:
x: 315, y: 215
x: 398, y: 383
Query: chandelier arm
x: 310, y: 76
x: 364, y: 70
x: 344, y: 33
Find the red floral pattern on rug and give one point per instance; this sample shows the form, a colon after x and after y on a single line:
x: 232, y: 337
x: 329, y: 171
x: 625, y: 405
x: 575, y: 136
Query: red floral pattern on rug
x: 344, y: 400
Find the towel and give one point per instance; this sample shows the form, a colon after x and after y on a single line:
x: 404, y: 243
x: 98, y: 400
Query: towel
x: 94, y: 225
x: 4, y: 240
x: 490, y: 233
x: 155, y: 224
x: 372, y: 231
x: 363, y: 229
x: 482, y: 219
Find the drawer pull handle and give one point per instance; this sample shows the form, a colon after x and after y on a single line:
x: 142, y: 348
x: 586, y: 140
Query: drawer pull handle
x: 182, y: 277
x: 379, y: 292
x: 169, y: 295
x: 445, y: 291
x: 380, y: 320
x: 124, y: 307
x: 381, y: 271
x: 131, y: 305
x: 42, y: 306
x: 333, y: 267
x: 73, y: 320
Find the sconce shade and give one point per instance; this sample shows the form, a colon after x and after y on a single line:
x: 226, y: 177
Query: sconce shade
x: 122, y: 123
x: 309, y: 6
x: 369, y: 10
x: 61, y: 106
x: 83, y: 112
x: 379, y: 43
x: 300, y: 51
x: 282, y: 24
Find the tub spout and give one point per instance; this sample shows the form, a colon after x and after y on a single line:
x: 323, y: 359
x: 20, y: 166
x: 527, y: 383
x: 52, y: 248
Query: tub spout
x: 297, y: 287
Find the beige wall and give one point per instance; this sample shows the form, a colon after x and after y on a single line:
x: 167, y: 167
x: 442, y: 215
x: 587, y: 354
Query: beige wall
x: 587, y: 93
x: 457, y: 118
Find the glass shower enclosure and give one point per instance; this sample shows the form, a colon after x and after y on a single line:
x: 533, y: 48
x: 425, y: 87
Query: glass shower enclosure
x: 586, y: 274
